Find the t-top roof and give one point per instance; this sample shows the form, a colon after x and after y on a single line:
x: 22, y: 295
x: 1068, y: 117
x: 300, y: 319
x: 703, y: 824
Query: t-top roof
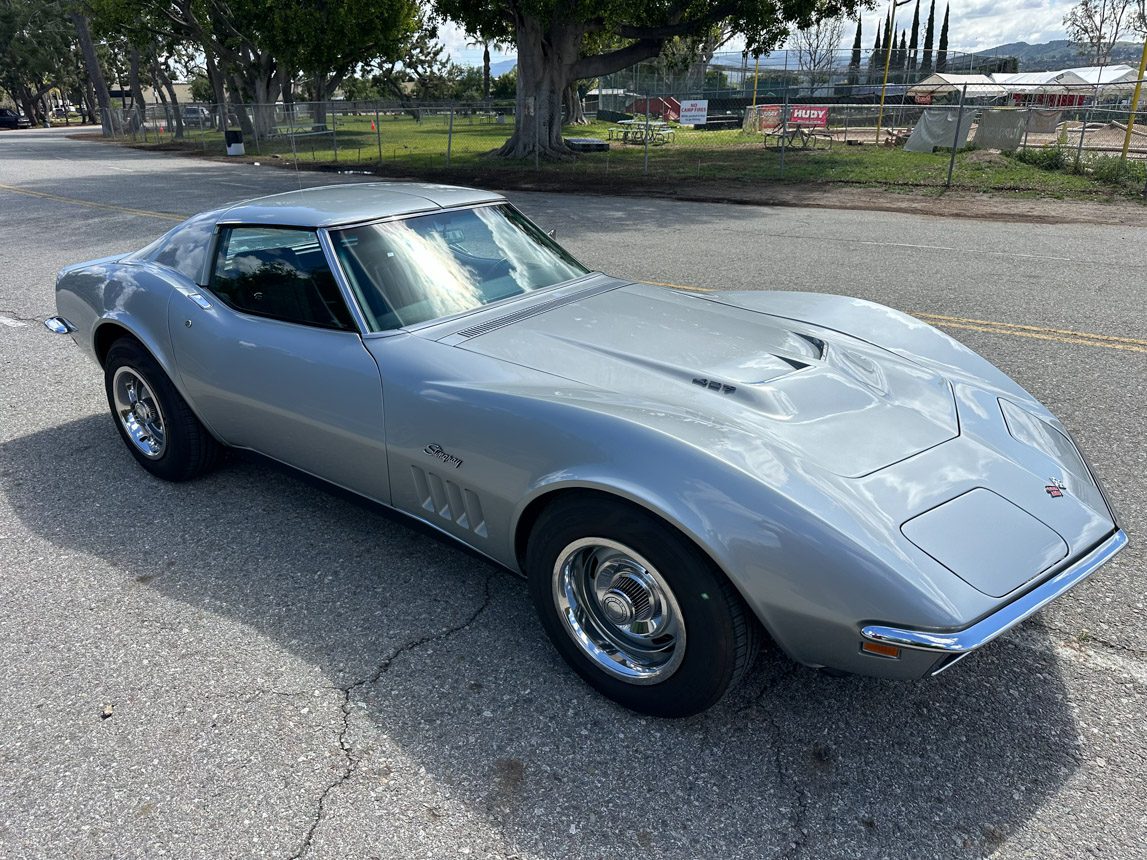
x: 352, y: 202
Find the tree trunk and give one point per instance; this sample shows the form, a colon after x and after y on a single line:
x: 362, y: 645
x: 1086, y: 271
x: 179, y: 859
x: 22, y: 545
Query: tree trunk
x: 136, y: 90
x: 89, y: 93
x: 485, y: 71
x: 544, y: 62
x: 216, y: 79
x: 95, y: 71
x: 162, y: 77
x: 574, y: 113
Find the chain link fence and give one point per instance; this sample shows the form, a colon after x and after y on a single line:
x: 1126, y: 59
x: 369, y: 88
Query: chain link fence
x: 1047, y: 140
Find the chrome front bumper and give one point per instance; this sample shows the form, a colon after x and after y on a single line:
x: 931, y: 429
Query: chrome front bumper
x: 955, y: 644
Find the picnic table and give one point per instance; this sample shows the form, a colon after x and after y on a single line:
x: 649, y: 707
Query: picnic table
x: 639, y: 131
x: 797, y: 136
x: 894, y: 137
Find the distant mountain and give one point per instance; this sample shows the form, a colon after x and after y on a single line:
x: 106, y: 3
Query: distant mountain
x: 502, y: 66
x: 1060, y: 54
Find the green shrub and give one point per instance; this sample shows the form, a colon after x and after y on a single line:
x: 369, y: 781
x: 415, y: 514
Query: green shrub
x: 1114, y: 171
x: 1045, y: 158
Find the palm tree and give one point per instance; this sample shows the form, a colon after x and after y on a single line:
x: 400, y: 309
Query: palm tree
x: 474, y: 41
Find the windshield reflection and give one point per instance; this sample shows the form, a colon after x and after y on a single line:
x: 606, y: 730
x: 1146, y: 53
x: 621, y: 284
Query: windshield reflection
x: 432, y: 266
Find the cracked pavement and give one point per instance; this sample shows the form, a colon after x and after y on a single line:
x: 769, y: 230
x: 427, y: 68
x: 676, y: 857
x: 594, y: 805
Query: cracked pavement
x: 252, y: 665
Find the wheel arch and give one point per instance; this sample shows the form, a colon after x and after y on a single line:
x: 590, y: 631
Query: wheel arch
x: 556, y: 494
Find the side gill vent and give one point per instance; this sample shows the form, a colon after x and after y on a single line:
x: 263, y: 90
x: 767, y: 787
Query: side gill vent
x: 447, y: 500
x: 534, y: 310
x: 714, y: 385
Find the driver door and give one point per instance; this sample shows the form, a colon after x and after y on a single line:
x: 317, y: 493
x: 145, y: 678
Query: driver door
x: 272, y: 360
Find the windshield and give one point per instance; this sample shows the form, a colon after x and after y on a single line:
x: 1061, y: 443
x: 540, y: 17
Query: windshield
x: 432, y: 266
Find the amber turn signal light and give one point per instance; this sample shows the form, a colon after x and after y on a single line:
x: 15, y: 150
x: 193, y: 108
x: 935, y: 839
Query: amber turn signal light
x: 879, y: 649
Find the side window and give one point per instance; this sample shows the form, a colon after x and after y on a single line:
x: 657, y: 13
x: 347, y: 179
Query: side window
x: 185, y: 248
x: 278, y: 273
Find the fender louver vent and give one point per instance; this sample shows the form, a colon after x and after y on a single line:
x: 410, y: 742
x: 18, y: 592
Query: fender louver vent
x: 533, y: 311
x: 449, y: 501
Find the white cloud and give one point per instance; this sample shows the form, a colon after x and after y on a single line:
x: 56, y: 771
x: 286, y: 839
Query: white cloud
x: 455, y: 39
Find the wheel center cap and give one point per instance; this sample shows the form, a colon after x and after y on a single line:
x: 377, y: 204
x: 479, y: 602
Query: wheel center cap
x: 618, y: 608
x: 142, y: 412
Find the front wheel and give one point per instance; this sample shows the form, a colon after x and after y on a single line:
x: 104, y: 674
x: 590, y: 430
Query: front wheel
x: 636, y: 608
x: 152, y: 417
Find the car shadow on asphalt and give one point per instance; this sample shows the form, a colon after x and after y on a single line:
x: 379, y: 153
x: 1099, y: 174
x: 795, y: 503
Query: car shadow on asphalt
x: 449, y: 679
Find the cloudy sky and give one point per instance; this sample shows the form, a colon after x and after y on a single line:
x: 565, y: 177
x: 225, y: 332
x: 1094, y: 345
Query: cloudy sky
x: 974, y: 25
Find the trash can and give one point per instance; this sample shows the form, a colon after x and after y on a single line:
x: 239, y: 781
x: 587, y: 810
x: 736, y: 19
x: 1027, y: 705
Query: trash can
x: 234, y: 140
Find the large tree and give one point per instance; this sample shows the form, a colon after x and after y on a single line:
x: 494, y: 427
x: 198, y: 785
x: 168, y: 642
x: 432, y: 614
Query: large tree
x: 914, y: 43
x: 549, y: 37
x: 942, y: 48
x: 816, y: 46
x: 854, y: 59
x: 1094, y: 26
x: 929, y: 33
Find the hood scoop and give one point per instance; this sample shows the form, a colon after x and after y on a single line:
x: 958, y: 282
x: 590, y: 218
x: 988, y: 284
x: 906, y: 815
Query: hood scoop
x: 847, y: 406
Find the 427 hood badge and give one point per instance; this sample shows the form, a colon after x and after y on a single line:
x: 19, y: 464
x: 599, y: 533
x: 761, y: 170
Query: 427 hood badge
x: 1055, y: 488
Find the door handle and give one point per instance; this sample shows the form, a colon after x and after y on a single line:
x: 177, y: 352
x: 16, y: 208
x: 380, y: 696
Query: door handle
x: 196, y: 297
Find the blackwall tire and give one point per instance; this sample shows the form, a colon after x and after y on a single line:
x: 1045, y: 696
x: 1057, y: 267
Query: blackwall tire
x: 636, y: 608
x: 152, y: 418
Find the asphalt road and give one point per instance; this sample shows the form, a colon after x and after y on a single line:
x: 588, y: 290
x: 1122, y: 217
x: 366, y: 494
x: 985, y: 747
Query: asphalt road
x: 252, y: 666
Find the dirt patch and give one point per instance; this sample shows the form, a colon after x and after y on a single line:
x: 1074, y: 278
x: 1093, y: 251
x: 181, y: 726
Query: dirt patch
x: 987, y: 157
x: 1002, y: 205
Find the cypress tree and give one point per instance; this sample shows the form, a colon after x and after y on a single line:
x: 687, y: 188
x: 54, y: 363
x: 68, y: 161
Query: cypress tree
x: 902, y: 51
x: 929, y: 32
x: 854, y: 61
x: 915, y: 42
x: 942, y: 50
x: 875, y: 61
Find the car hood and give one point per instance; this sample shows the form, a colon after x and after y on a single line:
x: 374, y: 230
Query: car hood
x: 835, y: 401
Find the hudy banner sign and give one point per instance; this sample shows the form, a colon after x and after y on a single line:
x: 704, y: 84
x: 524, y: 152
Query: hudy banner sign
x: 694, y: 111
x: 809, y: 116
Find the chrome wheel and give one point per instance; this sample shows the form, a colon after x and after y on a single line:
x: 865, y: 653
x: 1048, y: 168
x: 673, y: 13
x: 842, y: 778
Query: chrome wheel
x: 139, y: 412
x: 619, y: 610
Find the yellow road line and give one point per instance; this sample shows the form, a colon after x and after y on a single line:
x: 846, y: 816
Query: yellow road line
x: 1042, y: 336
x: 1056, y: 335
x: 147, y: 213
x: 1036, y: 328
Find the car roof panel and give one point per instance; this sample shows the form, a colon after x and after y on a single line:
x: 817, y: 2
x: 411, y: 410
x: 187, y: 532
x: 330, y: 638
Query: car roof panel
x: 348, y: 203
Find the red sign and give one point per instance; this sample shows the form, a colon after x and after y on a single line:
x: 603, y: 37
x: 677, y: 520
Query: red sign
x: 769, y: 116
x: 809, y: 116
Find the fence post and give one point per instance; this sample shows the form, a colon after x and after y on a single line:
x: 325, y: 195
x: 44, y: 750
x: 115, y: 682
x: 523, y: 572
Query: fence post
x: 784, y: 125
x: 645, y: 169
x: 1083, y: 130
x: 334, y: 129
x: 1027, y: 128
x: 956, y: 136
x: 450, y: 136
x: 378, y: 134
x: 1134, y: 105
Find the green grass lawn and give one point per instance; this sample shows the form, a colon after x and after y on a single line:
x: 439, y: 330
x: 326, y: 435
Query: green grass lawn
x: 692, y: 154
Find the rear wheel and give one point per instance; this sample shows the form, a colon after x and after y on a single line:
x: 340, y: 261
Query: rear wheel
x: 636, y: 608
x: 152, y: 417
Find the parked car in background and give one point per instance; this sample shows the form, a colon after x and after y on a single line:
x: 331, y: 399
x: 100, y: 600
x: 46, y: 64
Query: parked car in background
x: 13, y: 119
x: 678, y: 475
x: 196, y: 116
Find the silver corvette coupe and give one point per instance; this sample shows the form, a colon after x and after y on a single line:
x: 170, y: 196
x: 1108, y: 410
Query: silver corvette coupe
x: 677, y: 475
